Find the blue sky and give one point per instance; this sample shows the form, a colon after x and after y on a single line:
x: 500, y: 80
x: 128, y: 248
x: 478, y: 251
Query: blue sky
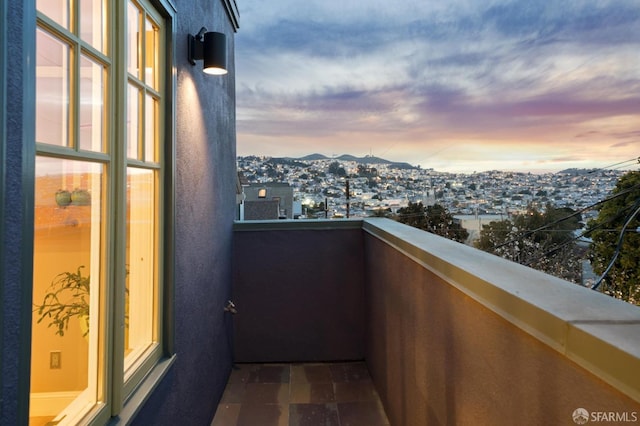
x: 457, y: 85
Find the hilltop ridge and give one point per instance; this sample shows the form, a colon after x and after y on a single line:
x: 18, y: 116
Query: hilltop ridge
x: 367, y: 159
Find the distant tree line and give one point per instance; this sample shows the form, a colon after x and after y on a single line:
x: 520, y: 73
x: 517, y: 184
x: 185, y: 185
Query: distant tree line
x: 548, y: 240
x: 542, y: 240
x: 336, y: 169
x: 435, y: 219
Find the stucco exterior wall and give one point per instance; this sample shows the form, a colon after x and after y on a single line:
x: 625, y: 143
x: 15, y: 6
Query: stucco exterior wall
x: 16, y: 204
x: 300, y: 295
x: 438, y: 356
x: 205, y: 209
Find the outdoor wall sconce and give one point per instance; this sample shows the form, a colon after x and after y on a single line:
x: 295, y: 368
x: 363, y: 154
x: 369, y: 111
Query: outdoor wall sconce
x: 262, y: 193
x: 211, y: 47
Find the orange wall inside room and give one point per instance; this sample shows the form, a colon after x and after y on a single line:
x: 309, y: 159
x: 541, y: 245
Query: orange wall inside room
x: 62, y: 243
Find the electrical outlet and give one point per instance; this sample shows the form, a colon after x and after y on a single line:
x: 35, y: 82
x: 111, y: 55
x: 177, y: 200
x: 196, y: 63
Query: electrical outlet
x: 55, y: 360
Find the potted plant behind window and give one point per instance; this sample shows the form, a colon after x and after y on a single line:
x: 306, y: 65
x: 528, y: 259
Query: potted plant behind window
x: 80, y: 197
x: 67, y: 296
x: 63, y: 198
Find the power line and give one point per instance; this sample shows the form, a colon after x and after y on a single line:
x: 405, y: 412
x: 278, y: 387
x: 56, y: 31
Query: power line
x: 618, y: 168
x: 618, y: 246
x: 567, y: 242
x: 555, y: 222
x: 637, y: 159
x: 586, y: 232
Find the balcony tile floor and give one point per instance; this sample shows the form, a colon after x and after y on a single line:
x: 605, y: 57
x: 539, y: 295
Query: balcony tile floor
x: 327, y: 394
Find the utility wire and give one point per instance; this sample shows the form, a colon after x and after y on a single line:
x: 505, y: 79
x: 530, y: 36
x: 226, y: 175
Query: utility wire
x: 618, y: 246
x: 567, y: 242
x: 581, y: 235
x: 618, y: 168
x: 615, y: 164
x: 555, y: 222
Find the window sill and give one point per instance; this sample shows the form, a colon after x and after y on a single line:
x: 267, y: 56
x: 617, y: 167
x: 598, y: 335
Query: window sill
x: 141, y: 394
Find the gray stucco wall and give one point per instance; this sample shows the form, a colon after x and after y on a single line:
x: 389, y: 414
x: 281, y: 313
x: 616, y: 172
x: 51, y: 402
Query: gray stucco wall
x: 300, y: 295
x: 438, y: 356
x: 16, y: 229
x: 205, y: 209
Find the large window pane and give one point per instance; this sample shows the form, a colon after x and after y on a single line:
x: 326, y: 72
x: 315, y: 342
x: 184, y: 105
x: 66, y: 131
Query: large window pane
x: 151, y: 54
x: 66, y: 289
x: 133, y: 40
x: 92, y: 23
x: 52, y: 90
x: 58, y: 10
x: 91, y: 105
x: 141, y: 263
x: 150, y: 128
x: 133, y: 120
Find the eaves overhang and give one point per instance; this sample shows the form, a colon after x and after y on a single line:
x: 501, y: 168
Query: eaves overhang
x: 233, y: 13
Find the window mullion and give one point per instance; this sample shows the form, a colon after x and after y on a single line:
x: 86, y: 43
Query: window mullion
x: 74, y: 98
x: 119, y: 203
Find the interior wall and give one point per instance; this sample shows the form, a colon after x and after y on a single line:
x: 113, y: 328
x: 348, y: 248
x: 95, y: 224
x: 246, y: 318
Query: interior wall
x: 58, y: 249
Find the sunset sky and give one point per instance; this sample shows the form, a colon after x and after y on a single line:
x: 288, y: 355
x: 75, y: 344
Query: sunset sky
x: 456, y: 85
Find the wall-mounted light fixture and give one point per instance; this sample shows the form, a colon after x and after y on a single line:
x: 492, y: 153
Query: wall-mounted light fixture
x: 211, y: 47
x: 262, y: 193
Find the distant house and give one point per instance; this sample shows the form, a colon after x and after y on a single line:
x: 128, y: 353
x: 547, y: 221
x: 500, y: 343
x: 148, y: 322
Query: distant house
x: 115, y: 178
x: 262, y: 210
x: 267, y: 201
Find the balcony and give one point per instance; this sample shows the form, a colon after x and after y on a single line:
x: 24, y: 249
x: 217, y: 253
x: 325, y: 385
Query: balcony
x: 449, y: 334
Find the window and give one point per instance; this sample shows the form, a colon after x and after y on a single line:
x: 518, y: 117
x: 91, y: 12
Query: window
x: 98, y: 244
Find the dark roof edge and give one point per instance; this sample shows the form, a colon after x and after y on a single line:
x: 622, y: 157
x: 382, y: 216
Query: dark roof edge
x: 232, y: 11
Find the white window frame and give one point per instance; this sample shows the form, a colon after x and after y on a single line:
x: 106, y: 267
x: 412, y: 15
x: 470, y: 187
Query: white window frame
x: 124, y: 392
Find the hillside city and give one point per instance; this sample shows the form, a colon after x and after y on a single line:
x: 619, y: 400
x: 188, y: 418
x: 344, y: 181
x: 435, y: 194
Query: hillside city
x: 376, y: 184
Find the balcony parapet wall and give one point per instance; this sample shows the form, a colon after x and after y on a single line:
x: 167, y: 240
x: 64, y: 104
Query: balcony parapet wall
x: 299, y: 289
x: 459, y: 336
x: 452, y: 335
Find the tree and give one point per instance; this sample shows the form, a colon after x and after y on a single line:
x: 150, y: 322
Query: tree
x: 381, y: 212
x: 315, y: 210
x: 494, y: 236
x: 414, y: 214
x: 543, y: 241
x: 336, y: 169
x: 363, y: 170
x: 622, y: 281
x: 435, y: 219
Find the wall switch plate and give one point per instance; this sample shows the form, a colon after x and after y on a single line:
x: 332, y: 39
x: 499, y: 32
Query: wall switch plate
x: 55, y: 360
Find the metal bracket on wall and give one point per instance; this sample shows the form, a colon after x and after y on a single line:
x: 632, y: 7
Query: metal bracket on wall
x: 231, y: 307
